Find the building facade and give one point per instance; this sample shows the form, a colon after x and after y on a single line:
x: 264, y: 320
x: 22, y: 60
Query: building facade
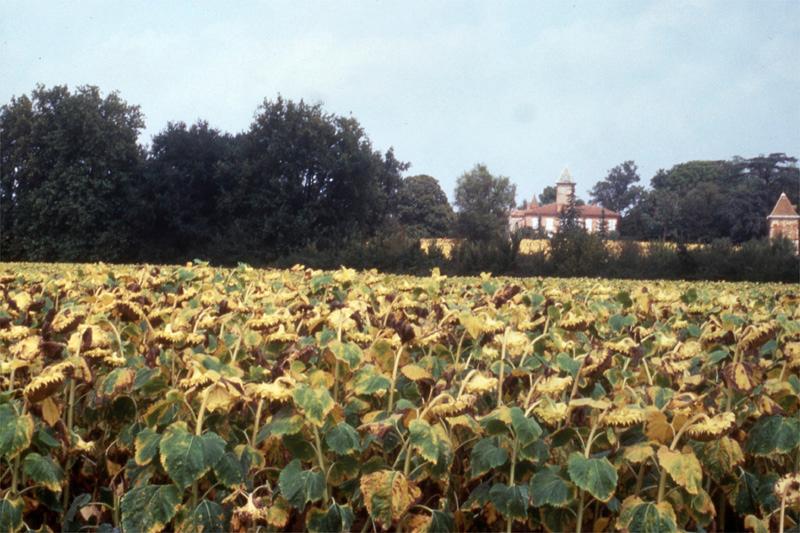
x: 785, y: 222
x: 545, y: 217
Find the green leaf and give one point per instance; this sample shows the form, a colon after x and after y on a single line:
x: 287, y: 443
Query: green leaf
x: 146, y: 445
x: 773, y: 434
x: 347, y: 352
x: 596, y: 476
x: 229, y: 470
x: 343, y: 439
x: 187, y: 457
x: 549, y: 488
x: 368, y: 380
x: 11, y: 514
x: 646, y: 517
x: 300, y: 486
x: 207, y: 517
x: 424, y: 439
x: 568, y: 364
x: 526, y: 429
x: 43, y: 471
x: 511, y: 502
x: 316, y: 403
x: 15, y: 431
x: 486, y: 454
x: 336, y: 519
x: 284, y: 422
x: 149, y: 508
x: 441, y: 522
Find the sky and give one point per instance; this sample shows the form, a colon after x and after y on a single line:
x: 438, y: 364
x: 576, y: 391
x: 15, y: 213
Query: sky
x: 526, y: 87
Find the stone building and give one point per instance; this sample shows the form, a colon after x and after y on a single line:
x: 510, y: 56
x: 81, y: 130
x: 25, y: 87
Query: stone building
x: 546, y: 216
x: 784, y: 221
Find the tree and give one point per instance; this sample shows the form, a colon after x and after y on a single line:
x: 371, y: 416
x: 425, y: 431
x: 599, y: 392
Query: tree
x: 568, y: 217
x: 423, y: 208
x: 70, y: 175
x: 304, y: 176
x: 617, y: 191
x: 483, y: 202
x: 184, y: 183
x: 548, y: 195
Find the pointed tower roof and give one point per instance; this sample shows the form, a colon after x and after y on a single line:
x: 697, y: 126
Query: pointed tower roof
x: 566, y: 177
x: 783, y: 208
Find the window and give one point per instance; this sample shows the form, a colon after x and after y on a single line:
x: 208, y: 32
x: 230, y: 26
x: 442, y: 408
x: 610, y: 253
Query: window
x: 548, y: 224
x: 612, y: 224
x: 588, y: 223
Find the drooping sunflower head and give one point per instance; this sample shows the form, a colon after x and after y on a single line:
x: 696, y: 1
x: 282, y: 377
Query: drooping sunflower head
x: 553, y: 385
x: 622, y: 417
x: 713, y: 427
x: 47, y: 382
x: 788, y: 488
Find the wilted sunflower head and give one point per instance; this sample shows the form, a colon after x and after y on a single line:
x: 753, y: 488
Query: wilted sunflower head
x: 48, y: 381
x: 626, y: 346
x: 67, y: 319
x: 576, y: 321
x: 279, y: 391
x: 14, y: 333
x: 622, y: 417
x: 27, y: 349
x: 713, y: 427
x: 551, y: 413
x: 480, y: 384
x: 449, y: 406
x: 757, y: 334
x: 553, y: 385
x: 788, y: 488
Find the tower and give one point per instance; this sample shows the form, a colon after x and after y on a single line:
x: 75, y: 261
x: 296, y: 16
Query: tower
x: 784, y: 221
x: 565, y: 188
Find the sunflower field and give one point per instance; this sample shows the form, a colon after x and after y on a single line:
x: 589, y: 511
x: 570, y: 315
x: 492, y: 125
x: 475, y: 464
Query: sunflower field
x: 193, y: 398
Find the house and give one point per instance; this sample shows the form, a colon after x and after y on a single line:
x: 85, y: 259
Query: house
x: 784, y: 221
x: 545, y: 217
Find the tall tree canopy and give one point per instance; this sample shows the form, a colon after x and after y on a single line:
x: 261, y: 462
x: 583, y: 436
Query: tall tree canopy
x: 483, y: 203
x: 423, y: 208
x: 305, y: 176
x: 185, y: 178
x: 548, y: 195
x: 70, y: 167
x: 699, y: 201
x: 617, y: 191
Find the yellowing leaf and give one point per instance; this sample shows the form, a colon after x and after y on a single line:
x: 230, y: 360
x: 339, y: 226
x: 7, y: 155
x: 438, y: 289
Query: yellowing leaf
x: 416, y: 373
x: 683, y: 468
x: 51, y: 412
x: 388, y: 495
x: 657, y: 427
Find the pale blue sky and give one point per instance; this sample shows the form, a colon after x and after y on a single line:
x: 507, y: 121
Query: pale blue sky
x: 525, y: 87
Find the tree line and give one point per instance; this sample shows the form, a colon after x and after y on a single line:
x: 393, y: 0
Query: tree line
x: 77, y: 185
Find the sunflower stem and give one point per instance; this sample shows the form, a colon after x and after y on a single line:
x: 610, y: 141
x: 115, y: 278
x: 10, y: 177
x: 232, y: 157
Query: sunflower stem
x: 394, y: 378
x: 321, y: 461
x: 257, y: 420
x: 502, y: 369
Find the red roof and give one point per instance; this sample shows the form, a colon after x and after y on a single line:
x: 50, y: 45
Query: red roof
x: 553, y: 210
x: 783, y: 208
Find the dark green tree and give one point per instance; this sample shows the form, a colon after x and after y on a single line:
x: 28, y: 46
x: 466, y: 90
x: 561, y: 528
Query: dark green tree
x: 423, y: 208
x: 70, y: 176
x: 617, y: 190
x: 568, y: 217
x: 304, y: 176
x: 548, y: 195
x: 184, y: 183
x: 483, y: 203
